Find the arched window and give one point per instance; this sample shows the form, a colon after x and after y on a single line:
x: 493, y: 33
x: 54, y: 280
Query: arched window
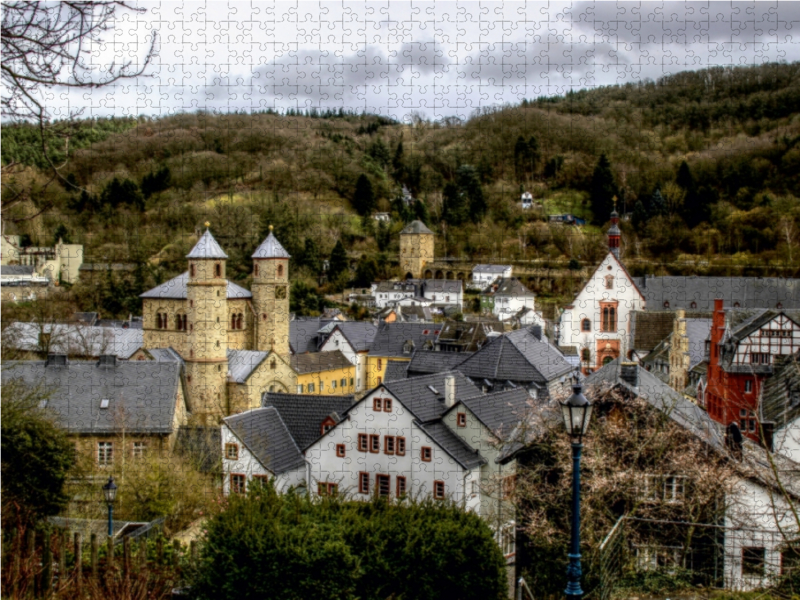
x: 280, y: 270
x: 240, y: 321
x: 693, y: 305
x: 666, y: 303
x: 185, y: 319
x: 609, y: 282
x: 263, y: 316
x: 273, y: 365
x: 217, y: 343
x: 255, y: 270
x: 736, y: 305
x: 217, y: 270
x: 233, y: 321
x: 609, y: 318
x: 178, y: 322
x: 586, y: 325
x: 779, y: 305
x: 191, y: 270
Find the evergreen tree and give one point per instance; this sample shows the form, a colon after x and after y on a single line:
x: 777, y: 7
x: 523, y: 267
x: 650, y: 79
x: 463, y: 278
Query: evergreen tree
x: 338, y: 262
x: 364, y: 198
x: 520, y: 157
x: 533, y: 154
x: 454, y: 208
x: 310, y: 256
x: 61, y: 233
x: 603, y: 190
x: 126, y: 192
x: 693, y: 211
x: 397, y: 161
x: 153, y: 183
x: 470, y: 187
x: 421, y: 212
x: 383, y: 236
x: 639, y: 218
x: 366, y: 271
x: 658, y: 207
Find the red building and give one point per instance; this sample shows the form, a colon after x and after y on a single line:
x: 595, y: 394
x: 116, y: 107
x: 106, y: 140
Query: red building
x: 743, y: 347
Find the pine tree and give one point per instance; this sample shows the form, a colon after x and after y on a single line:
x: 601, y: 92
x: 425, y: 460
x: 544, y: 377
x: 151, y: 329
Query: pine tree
x: 364, y: 198
x: 338, y: 263
x: 520, y: 157
x: 533, y: 154
x: 310, y: 256
x: 603, y: 190
x: 639, y: 218
x: 397, y: 161
x: 421, y: 212
x: 454, y: 210
x: 470, y: 187
x: 658, y: 207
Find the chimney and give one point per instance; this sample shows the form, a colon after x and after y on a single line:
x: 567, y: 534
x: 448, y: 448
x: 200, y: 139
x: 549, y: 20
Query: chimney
x: 449, y: 390
x: 536, y: 330
x: 629, y: 373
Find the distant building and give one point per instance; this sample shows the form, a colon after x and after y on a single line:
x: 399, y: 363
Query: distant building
x: 382, y: 216
x: 483, y: 275
x: 416, y: 249
x: 506, y: 297
x: 57, y: 263
x: 438, y: 293
x: 566, y: 219
x: 527, y: 200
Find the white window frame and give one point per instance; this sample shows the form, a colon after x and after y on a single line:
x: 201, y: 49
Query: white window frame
x: 105, y: 453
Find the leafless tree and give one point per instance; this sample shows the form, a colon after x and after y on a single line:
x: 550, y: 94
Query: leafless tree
x: 49, y: 46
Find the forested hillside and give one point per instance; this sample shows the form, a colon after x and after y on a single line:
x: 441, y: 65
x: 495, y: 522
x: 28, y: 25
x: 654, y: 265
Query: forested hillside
x: 706, y: 166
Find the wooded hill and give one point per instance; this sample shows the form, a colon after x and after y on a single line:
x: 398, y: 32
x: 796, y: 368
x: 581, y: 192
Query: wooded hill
x: 705, y: 163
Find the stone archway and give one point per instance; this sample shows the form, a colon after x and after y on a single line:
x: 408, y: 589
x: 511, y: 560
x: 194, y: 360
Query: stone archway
x: 606, y: 351
x: 409, y: 276
x: 276, y: 386
x: 428, y: 274
x: 439, y: 274
x: 448, y: 275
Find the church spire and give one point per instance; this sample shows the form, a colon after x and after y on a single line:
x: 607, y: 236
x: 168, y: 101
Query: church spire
x: 614, y: 233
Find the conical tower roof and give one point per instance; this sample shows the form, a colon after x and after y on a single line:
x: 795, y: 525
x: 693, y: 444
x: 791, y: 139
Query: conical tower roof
x: 270, y: 248
x: 207, y: 247
x: 416, y: 227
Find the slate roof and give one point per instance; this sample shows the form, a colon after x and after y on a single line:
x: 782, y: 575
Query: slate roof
x: 445, y: 286
x: 408, y: 287
x: 416, y: 227
x: 410, y: 314
x: 391, y: 338
x: 395, y: 369
x: 206, y: 247
x: 175, y: 289
x: 17, y: 269
x: 500, y: 412
x: 242, y: 363
x: 508, y: 286
x: 780, y: 401
x: 165, y: 355
x: 448, y: 441
x: 749, y: 292
x: 264, y: 433
x: 314, y: 362
x: 360, y: 334
x: 270, y: 248
x: 698, y: 331
x: 303, y: 335
x: 429, y: 361
x: 742, y: 323
x: 469, y: 336
x: 74, y: 339
x: 416, y: 395
x: 490, y: 268
x: 304, y: 414
x: 517, y: 356
x: 142, y: 394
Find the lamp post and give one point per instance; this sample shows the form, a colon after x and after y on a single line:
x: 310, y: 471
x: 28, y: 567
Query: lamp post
x: 576, y: 412
x: 110, y: 492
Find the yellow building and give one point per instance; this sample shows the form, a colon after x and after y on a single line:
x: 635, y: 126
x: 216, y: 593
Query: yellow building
x: 324, y: 373
x: 416, y: 249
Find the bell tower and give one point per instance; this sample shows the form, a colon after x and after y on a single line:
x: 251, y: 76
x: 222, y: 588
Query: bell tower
x: 207, y: 348
x: 416, y: 249
x: 614, y: 233
x: 270, y: 290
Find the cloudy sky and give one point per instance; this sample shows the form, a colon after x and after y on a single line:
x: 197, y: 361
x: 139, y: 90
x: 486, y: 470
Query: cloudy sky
x: 398, y: 57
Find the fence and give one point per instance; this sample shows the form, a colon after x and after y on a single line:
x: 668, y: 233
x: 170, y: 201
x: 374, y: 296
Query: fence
x: 654, y: 557
x: 57, y: 563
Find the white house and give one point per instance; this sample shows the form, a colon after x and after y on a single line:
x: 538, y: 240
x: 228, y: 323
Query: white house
x: 443, y: 292
x: 506, y: 297
x: 388, y: 291
x: 526, y: 199
x: 597, y: 323
x: 483, y: 275
x: 419, y: 292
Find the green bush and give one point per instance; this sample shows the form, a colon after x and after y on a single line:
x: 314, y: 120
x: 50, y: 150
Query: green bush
x: 289, y: 546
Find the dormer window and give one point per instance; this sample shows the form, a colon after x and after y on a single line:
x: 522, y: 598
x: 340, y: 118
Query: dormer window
x: 327, y: 425
x: 408, y: 347
x: 666, y: 304
x: 104, y: 403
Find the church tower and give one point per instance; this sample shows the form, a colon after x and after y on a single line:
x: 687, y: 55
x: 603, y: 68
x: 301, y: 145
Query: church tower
x: 207, y: 349
x: 271, y: 296
x: 614, y: 233
x: 416, y: 249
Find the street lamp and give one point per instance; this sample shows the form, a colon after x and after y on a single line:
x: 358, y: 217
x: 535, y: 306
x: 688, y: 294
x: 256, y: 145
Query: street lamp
x: 576, y: 412
x: 110, y: 492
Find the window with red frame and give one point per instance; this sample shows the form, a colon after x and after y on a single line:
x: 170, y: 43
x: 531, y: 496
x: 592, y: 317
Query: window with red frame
x: 383, y: 485
x: 387, y: 405
x: 232, y: 451
x: 401, y: 486
x: 340, y: 451
x: 326, y: 426
x: 380, y: 365
x: 376, y: 404
x: 388, y: 444
x: 327, y: 489
x: 260, y: 480
x: 461, y: 419
x: 374, y: 443
x: 400, y: 446
x: 237, y: 483
x: 438, y: 490
x: 362, y: 442
x: 425, y: 453
x: 363, y: 483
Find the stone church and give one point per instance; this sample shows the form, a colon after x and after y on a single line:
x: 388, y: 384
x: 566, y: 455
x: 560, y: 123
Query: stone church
x: 234, y: 342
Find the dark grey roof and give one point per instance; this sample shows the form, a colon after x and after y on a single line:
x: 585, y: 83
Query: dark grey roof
x: 742, y: 323
x: 508, y: 286
x: 517, y: 356
x: 424, y: 396
x: 409, y: 286
x: 304, y: 414
x: 500, y: 412
x: 780, y: 402
x: 165, y: 355
x: 303, y: 335
x: 468, y: 336
x: 395, y: 369
x: 202, y: 445
x: 448, y: 441
x: 748, y: 292
x: 175, y: 289
x: 270, y: 248
x: 392, y: 337
x: 490, y: 268
x: 316, y: 362
x: 698, y: 331
x: 17, y: 269
x: 265, y: 434
x: 360, y: 334
x: 445, y: 286
x: 206, y: 247
x: 242, y: 363
x: 142, y: 394
x: 416, y: 227
x: 428, y: 361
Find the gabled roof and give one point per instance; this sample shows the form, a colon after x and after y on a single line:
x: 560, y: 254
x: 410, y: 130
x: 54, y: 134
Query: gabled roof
x: 395, y: 369
x: 757, y: 321
x: 142, y: 395
x: 304, y: 414
x: 242, y: 363
x: 508, y: 286
x: 359, y: 334
x: 780, y: 401
x: 165, y: 355
x: 315, y: 362
x: 424, y: 396
x: 416, y: 227
x: 175, y: 289
x: 270, y: 248
x: 206, y: 247
x: 748, y: 292
x: 517, y: 356
x: 448, y: 441
x: 428, y: 361
x: 303, y: 335
x: 500, y: 412
x: 266, y: 436
x: 392, y: 337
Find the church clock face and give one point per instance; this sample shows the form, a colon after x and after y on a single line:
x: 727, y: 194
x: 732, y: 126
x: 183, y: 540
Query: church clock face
x: 280, y: 292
